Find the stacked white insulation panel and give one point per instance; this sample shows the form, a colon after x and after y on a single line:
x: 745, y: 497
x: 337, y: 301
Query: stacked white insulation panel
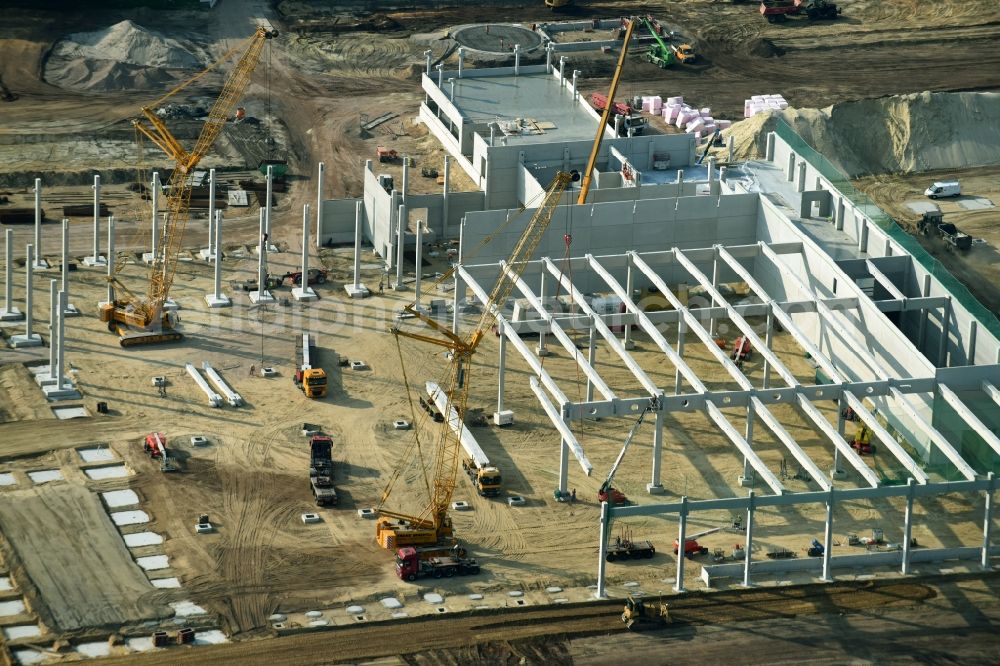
x: 699, y: 122
x: 761, y: 103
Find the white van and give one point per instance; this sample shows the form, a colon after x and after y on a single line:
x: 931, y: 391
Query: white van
x: 949, y: 188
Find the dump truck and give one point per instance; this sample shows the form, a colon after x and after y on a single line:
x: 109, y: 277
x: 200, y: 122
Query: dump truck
x: 312, y: 380
x: 386, y: 154
x: 485, y: 477
x: 321, y: 470
x: 411, y: 566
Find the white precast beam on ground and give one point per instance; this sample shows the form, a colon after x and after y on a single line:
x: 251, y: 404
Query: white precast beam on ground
x: 603, y: 329
x: 465, y: 437
x: 214, y: 399
x: 560, y: 334
x: 842, y: 446
x: 232, y: 397
x: 568, y: 439
x: 888, y: 440
x: 970, y: 418
x: 514, y: 338
x: 884, y: 280
x: 936, y: 437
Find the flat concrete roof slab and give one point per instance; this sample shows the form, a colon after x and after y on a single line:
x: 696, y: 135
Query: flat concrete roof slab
x: 530, y: 96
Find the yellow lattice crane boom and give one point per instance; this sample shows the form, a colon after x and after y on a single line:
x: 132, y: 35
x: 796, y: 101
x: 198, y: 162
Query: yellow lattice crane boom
x: 141, y: 319
x: 432, y: 525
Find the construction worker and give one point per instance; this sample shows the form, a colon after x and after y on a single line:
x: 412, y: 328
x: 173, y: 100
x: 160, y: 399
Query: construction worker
x: 162, y: 389
x: 253, y: 369
x: 381, y: 286
x: 573, y: 495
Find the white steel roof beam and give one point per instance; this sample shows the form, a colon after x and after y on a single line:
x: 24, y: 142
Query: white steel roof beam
x: 884, y: 280
x: 883, y: 435
x: 991, y: 391
x: 845, y: 449
x: 779, y: 431
x: 736, y: 438
x: 561, y: 426
x: 603, y: 329
x: 560, y: 334
x: 936, y: 437
x: 963, y: 410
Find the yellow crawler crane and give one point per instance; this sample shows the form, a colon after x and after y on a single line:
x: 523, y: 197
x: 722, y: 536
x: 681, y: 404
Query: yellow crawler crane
x: 141, y: 319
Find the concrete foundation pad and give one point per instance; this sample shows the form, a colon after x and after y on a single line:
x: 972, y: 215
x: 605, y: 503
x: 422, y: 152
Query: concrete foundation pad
x: 304, y: 294
x: 838, y: 474
x: 19, y: 341
x: 95, y: 261
x: 41, y: 264
x: 170, y: 305
x: 361, y: 291
x: 222, y: 301
x: 745, y: 481
x: 147, y: 257
x: 654, y: 489
x: 262, y: 297
x: 11, y: 314
x: 71, y: 311
x: 542, y: 351
x: 65, y: 393
x: 206, y: 254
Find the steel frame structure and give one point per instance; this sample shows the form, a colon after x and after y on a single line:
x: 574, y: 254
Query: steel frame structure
x: 755, y: 399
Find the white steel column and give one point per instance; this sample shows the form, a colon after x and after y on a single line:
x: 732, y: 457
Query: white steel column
x: 95, y: 259
x: 542, y: 350
x: 39, y: 262
x: 402, y: 221
x: 629, y: 286
x: 591, y: 357
x: 111, y: 258
x: 357, y: 290
x: 984, y: 559
x: 908, y: 526
x: 155, y: 198
x: 748, y: 548
x: 602, y: 551
x: 456, y: 299
x: 768, y: 341
x: 715, y: 282
x: 270, y: 196
x: 53, y: 323
x: 69, y: 309
x: 208, y: 253
x: 501, y: 372
x: 321, y: 168
x: 828, y: 538
x: 681, y: 543
x: 9, y: 312
x: 681, y: 333
x: 262, y: 295
x: 30, y: 338
x: 418, y: 260
x: 304, y: 292
x: 217, y: 299
x: 61, y: 355
x: 746, y: 479
x: 445, y: 197
x: 655, y: 487
x: 563, y: 464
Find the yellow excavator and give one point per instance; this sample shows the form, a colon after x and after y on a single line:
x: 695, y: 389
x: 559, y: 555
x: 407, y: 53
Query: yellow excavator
x: 431, y: 529
x: 141, y: 319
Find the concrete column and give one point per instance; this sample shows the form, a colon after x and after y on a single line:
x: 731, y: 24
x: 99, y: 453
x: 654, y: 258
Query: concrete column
x: 562, y: 72
x: 681, y: 539
x: 406, y: 174
x: 53, y: 323
x: 451, y: 96
x: 973, y: 332
x: 680, y: 181
x: 618, y: 125
x: 768, y: 339
x: 730, y: 148
x: 440, y: 69
x: 748, y: 548
x: 155, y: 197
x: 262, y: 295
x: 542, y: 350
x: 922, y: 327
x: 907, y: 526
x: 839, y: 218
x: 769, y: 150
x: 576, y: 74
x: 715, y: 278
x: 747, y: 479
x: 517, y: 59
x: 401, y: 223
x: 39, y: 262
x: 111, y: 257
x: 790, y: 172
x: 501, y: 369
x: 800, y: 185
x: 943, y: 344
x: 461, y: 60
x: 270, y: 194
x: 828, y: 539
x: 563, y: 467
x: 61, y: 345
x: 629, y: 286
x: 603, y: 550
x: 655, y: 487
x: 591, y: 358
x: 456, y: 297
x: 30, y: 338
x: 357, y: 290
x: 984, y: 558
x: 418, y: 270
x: 681, y: 332
x: 863, y: 236
x: 9, y: 312
x: 304, y: 292
x: 321, y: 168
x: 837, y: 472
x: 95, y: 259
x: 447, y: 191
x: 211, y: 214
x: 427, y: 54
x: 548, y: 58
x: 218, y: 299
x: 69, y: 310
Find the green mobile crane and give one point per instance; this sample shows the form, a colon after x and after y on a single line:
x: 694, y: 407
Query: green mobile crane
x: 659, y: 54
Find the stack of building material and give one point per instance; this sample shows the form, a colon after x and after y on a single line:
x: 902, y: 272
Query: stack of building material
x: 653, y: 104
x: 761, y: 103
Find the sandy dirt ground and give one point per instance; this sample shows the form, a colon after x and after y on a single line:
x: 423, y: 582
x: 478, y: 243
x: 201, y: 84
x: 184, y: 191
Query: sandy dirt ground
x: 77, y: 561
x: 979, y: 268
x: 252, y: 479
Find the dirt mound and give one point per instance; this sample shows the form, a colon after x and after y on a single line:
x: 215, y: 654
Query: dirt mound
x: 763, y: 48
x: 904, y: 133
x: 125, y: 56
